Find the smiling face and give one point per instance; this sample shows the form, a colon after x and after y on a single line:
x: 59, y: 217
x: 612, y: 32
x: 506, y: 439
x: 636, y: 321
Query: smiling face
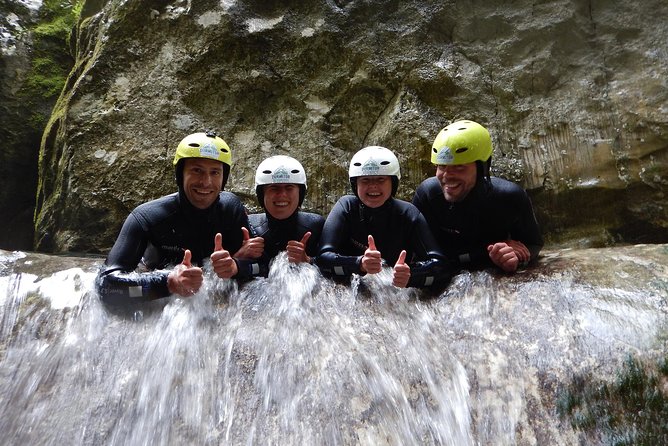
x: 457, y: 180
x: 281, y: 199
x: 202, y: 181
x: 374, y: 190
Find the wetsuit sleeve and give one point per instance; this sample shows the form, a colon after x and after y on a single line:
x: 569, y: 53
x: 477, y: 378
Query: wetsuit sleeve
x: 117, y: 282
x: 248, y: 268
x: 334, y: 233
x: 526, y: 230
x: 314, y: 224
x: 434, y: 269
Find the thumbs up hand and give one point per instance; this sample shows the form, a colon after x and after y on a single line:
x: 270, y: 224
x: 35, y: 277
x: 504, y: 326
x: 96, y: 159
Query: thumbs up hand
x: 185, y: 279
x: 402, y: 272
x: 297, y: 249
x: 251, y: 248
x: 222, y: 262
x: 371, y: 261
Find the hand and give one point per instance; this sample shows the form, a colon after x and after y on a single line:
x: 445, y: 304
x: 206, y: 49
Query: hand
x: 251, y: 248
x: 521, y: 250
x: 402, y: 272
x: 185, y: 279
x: 503, y: 256
x: 297, y: 250
x: 371, y: 261
x: 221, y: 260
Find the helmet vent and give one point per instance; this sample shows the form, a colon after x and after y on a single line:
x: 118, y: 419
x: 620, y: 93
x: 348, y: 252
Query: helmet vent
x: 357, y: 164
x: 461, y: 150
x: 384, y: 163
x: 294, y: 171
x: 266, y: 172
x: 193, y: 144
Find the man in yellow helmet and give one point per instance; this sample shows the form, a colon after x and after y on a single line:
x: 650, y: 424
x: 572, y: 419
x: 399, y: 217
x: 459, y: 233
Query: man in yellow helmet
x: 478, y: 220
x: 169, y: 238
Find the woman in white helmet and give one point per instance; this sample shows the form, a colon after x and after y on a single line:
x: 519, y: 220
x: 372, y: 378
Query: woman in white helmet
x: 280, y: 186
x: 371, y: 228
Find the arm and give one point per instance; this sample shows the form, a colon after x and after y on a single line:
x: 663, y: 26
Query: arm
x: 431, y: 266
x: 118, y: 283
x: 524, y: 240
x: 334, y: 233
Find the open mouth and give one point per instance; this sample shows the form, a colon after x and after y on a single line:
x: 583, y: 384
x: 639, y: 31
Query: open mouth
x: 202, y: 192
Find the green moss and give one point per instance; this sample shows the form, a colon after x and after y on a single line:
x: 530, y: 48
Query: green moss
x: 52, y: 61
x: 46, y: 78
x: 633, y: 410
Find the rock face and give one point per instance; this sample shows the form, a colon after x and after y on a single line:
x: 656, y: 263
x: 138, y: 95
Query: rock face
x: 573, y: 92
x: 20, y: 142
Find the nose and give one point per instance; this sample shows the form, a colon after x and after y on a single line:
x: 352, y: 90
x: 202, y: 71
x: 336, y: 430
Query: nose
x: 206, y: 179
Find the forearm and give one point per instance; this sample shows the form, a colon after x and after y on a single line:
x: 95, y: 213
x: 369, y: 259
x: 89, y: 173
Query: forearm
x: 429, y: 272
x: 248, y: 268
x: 117, y: 287
x: 334, y: 264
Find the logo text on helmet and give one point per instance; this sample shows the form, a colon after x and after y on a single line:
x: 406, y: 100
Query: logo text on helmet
x: 370, y: 167
x: 444, y: 156
x: 209, y: 150
x: 280, y: 175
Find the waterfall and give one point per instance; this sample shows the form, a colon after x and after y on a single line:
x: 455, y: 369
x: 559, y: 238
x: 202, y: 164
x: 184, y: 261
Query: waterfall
x: 299, y: 359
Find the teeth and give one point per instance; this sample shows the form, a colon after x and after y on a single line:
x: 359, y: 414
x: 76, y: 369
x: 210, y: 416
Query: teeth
x: 281, y: 203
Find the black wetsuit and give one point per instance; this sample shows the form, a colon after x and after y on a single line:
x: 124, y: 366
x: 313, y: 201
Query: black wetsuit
x: 395, y: 226
x: 277, y: 234
x: 157, y: 234
x: 490, y: 213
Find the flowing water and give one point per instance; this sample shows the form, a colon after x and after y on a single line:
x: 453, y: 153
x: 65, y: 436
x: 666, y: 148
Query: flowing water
x: 297, y: 359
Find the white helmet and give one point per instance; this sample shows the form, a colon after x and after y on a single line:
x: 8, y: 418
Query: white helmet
x: 374, y: 161
x: 280, y: 169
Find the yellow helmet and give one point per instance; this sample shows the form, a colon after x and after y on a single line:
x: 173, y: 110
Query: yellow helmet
x: 203, y: 145
x: 461, y: 142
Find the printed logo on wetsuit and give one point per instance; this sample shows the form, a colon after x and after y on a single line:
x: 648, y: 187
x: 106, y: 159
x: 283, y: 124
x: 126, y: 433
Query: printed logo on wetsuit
x: 280, y: 175
x: 444, y: 156
x: 370, y: 167
x: 209, y: 150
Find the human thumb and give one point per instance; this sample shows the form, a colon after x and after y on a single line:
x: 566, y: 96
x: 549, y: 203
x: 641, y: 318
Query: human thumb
x: 372, y: 243
x: 304, y: 239
x: 402, y: 258
x: 245, y: 233
x: 218, y: 242
x: 187, y: 258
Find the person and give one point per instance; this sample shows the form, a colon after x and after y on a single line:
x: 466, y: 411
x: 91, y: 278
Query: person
x: 280, y: 186
x: 480, y: 221
x: 163, y: 243
x: 371, y: 228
